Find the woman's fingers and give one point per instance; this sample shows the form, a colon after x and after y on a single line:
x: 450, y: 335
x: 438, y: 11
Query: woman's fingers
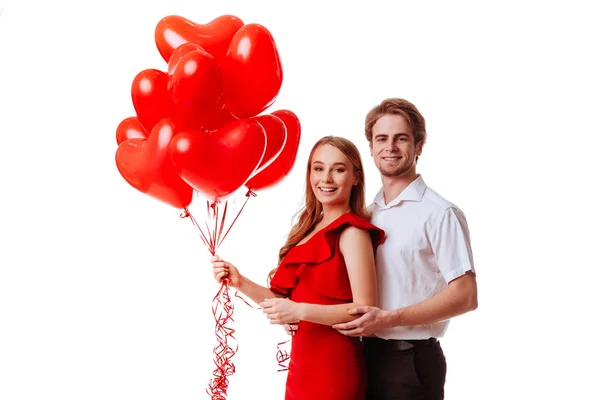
x: 291, y: 329
x: 220, y: 264
x: 220, y: 272
x: 220, y: 268
x: 220, y: 276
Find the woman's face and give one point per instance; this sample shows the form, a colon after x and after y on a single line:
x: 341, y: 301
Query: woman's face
x: 332, y: 176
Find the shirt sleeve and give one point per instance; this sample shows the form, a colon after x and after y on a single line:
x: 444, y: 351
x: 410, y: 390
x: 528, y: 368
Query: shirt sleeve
x: 451, y: 243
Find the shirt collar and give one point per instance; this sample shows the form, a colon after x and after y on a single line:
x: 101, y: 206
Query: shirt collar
x: 413, y: 192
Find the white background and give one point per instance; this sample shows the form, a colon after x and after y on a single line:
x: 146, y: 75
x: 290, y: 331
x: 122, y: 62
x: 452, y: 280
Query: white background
x: 105, y: 293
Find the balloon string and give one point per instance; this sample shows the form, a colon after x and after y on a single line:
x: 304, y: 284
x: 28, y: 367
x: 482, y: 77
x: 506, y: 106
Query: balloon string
x: 223, y: 352
x: 212, y: 246
x: 215, y: 209
x: 282, y: 357
x: 209, y: 237
x: 222, y: 307
x: 222, y: 223
x: 210, y: 243
x: 248, y: 194
x: 188, y: 214
x: 237, y: 294
x: 222, y: 310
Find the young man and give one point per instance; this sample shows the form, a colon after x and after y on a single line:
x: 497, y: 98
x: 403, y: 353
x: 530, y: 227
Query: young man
x: 425, y: 267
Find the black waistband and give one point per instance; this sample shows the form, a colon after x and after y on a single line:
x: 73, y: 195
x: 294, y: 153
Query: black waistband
x: 398, y: 345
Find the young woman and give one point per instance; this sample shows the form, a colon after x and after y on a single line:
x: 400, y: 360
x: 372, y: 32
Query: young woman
x: 326, y: 268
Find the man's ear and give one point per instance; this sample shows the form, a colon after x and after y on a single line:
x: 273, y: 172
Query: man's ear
x: 419, y: 149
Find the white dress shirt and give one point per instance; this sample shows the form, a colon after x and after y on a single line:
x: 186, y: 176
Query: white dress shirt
x: 427, y: 245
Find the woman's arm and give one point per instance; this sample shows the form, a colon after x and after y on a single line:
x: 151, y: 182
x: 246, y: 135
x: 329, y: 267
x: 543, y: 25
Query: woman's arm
x: 357, y: 249
x: 255, y: 291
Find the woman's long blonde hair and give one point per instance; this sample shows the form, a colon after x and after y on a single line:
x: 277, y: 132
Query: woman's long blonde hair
x: 312, y: 212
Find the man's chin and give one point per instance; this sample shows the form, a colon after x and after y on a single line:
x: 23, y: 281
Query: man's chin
x: 392, y: 173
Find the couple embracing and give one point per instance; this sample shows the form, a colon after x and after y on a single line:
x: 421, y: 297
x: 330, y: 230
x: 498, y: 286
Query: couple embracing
x: 366, y: 295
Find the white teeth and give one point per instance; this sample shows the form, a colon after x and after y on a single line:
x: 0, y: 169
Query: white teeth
x: 323, y: 189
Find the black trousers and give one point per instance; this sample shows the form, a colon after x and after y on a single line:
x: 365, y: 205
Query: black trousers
x: 404, y: 370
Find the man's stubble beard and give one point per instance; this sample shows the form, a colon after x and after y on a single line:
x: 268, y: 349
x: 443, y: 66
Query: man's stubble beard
x: 393, y: 172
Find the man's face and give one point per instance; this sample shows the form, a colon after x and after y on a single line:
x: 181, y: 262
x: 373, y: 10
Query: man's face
x: 393, y: 146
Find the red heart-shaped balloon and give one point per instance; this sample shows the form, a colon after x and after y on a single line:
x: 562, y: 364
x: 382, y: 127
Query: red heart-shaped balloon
x: 252, y: 73
x: 146, y: 165
x: 195, y: 88
x: 179, y: 52
x: 283, y: 164
x: 276, y: 135
x: 150, y: 97
x: 216, y: 164
x: 173, y: 31
x: 130, y: 128
x: 190, y: 94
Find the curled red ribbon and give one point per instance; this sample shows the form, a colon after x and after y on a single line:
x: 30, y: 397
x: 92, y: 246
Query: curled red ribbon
x: 223, y: 352
x: 282, y: 357
x: 222, y: 307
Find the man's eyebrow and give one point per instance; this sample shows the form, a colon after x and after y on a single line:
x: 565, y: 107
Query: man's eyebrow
x: 393, y: 134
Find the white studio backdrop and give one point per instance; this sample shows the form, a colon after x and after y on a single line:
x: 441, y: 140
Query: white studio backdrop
x: 105, y: 293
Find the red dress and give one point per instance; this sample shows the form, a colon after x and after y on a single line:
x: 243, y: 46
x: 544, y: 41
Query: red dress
x: 324, y: 364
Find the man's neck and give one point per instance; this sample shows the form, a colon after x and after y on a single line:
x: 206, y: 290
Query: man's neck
x: 394, y: 185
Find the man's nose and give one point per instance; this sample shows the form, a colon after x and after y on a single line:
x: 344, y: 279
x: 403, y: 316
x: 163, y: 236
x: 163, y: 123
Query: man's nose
x: 390, y: 145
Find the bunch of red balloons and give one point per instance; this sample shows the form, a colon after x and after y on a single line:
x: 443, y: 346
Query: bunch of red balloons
x: 198, y: 125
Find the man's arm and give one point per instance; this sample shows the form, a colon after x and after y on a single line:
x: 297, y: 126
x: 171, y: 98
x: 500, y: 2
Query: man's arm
x: 458, y: 298
x: 449, y: 238
x: 450, y: 242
